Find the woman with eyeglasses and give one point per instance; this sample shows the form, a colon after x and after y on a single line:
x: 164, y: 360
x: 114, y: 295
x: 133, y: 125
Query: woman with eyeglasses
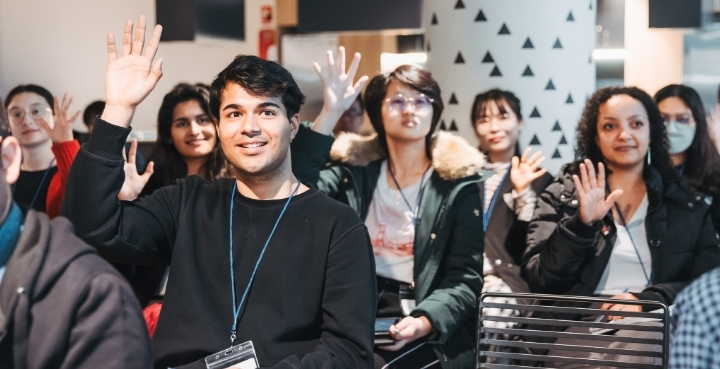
x: 41, y: 124
x: 692, y: 150
x: 418, y: 195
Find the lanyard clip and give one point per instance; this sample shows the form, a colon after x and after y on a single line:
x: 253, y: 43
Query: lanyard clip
x: 232, y: 338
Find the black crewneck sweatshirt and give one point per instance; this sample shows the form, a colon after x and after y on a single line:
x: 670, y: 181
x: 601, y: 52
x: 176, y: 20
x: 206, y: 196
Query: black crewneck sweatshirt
x: 312, y: 304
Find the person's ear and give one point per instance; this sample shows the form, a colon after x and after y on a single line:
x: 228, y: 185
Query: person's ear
x: 11, y: 158
x: 294, y: 125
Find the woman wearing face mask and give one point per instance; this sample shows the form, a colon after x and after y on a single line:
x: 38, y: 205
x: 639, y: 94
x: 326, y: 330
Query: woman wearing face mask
x: 417, y: 193
x: 692, y: 150
x: 44, y: 130
x: 631, y: 231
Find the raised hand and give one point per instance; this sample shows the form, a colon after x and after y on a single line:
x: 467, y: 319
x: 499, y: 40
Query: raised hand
x: 134, y: 182
x: 591, y: 193
x: 524, y: 170
x: 130, y: 77
x: 61, y: 131
x: 339, y: 92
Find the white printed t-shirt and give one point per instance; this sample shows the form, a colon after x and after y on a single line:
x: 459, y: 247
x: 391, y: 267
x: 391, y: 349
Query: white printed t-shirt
x: 391, y: 227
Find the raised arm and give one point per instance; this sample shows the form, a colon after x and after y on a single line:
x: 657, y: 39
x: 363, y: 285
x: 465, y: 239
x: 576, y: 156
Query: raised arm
x: 140, y: 232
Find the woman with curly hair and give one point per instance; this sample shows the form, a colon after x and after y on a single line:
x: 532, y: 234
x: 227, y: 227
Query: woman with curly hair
x: 619, y: 222
x: 630, y: 229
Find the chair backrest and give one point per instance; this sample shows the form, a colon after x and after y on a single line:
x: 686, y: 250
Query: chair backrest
x: 561, y: 331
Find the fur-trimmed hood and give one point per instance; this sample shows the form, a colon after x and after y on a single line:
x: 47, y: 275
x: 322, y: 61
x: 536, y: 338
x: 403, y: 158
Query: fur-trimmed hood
x: 453, y: 158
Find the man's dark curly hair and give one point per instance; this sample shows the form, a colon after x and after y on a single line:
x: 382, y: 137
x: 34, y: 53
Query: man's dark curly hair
x: 587, y: 131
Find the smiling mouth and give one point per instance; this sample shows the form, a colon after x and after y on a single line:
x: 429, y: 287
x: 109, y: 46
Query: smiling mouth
x: 253, y: 145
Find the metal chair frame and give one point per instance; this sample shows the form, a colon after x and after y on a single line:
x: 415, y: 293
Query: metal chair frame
x: 535, y: 307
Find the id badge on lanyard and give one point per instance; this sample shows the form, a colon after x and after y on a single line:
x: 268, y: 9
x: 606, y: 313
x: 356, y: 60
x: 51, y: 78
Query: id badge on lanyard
x: 241, y: 356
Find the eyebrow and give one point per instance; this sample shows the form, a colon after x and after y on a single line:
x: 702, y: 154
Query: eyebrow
x: 261, y: 105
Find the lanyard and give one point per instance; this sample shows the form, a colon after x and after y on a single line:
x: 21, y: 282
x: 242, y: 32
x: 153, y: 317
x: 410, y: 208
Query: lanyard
x: 420, y: 192
x: 637, y: 252
x: 487, y: 213
x: 236, y: 308
x: 42, y: 181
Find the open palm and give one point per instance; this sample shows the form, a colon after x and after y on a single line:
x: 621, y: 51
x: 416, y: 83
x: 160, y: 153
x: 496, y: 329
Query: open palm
x: 590, y: 190
x: 130, y: 77
x: 61, y: 131
x: 339, y: 92
x: 524, y: 170
x: 134, y: 182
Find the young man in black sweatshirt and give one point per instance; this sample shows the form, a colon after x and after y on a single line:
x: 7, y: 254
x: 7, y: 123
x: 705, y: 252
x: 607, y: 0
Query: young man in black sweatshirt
x: 258, y: 258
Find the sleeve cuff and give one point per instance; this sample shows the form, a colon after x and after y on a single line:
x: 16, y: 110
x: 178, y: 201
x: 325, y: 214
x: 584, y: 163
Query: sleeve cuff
x: 66, y: 151
x: 107, y: 140
x: 580, y: 229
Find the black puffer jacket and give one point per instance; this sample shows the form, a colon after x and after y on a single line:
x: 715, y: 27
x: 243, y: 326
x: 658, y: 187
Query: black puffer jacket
x: 566, y: 256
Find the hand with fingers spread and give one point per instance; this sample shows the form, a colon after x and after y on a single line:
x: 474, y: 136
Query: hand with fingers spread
x: 130, y: 77
x: 339, y: 92
x: 524, y: 170
x: 61, y: 131
x: 408, y: 330
x: 591, y: 193
x: 621, y: 307
x: 134, y: 182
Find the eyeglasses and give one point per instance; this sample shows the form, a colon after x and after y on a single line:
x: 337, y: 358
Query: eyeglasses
x: 684, y: 119
x: 17, y: 115
x: 400, y: 103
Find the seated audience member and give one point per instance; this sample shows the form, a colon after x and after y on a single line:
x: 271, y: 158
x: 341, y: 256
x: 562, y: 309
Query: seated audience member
x: 94, y: 109
x: 352, y: 118
x: 42, y: 126
x: 307, y: 257
x: 633, y: 231
x: 62, y: 305
x: 692, y: 150
x: 187, y: 140
x: 694, y: 333
x: 508, y: 196
x: 4, y: 125
x: 417, y: 193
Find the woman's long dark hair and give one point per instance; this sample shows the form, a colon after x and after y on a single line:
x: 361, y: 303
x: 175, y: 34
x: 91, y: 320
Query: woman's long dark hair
x: 169, y: 163
x: 587, y: 135
x: 702, y: 164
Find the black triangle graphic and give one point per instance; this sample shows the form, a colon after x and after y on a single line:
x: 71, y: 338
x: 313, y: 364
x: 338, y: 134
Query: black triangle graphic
x: 591, y: 4
x: 495, y: 72
x: 550, y: 86
x: 442, y: 125
x: 434, y: 19
x: 488, y: 58
x: 563, y: 141
x: 535, y: 113
x: 459, y: 5
x: 428, y: 46
x: 453, y: 99
x: 453, y: 127
x: 570, y: 17
x: 504, y: 30
x: 569, y: 100
x: 459, y: 59
x: 557, y: 45
x: 534, y: 141
x: 528, y: 44
x: 528, y: 72
x: 556, y: 127
x: 556, y: 154
x: 480, y: 17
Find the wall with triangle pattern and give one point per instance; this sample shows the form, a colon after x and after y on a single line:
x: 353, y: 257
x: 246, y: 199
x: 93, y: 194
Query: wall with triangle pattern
x: 540, y: 50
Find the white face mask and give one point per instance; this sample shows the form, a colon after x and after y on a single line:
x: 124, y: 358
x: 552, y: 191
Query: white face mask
x: 680, y: 136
